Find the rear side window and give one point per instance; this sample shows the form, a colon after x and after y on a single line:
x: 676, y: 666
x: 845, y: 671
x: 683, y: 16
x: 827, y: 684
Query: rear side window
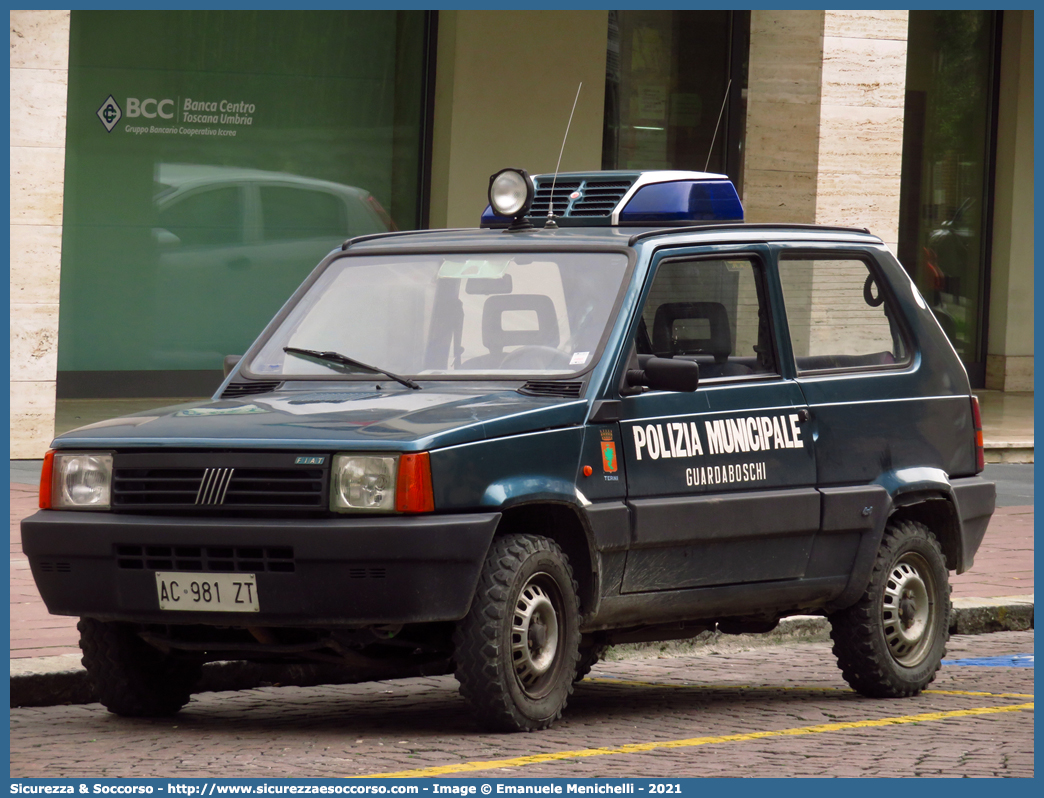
x: 838, y: 315
x: 297, y: 213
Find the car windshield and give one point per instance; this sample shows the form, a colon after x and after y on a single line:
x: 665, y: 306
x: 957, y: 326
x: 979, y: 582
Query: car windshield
x: 431, y: 316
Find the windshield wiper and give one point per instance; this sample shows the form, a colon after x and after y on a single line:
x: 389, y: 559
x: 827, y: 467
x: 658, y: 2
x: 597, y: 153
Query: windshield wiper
x: 344, y: 360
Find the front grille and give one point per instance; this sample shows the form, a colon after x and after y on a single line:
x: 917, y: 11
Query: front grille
x: 597, y: 198
x: 237, y: 389
x: 568, y: 390
x: 221, y: 559
x: 219, y: 482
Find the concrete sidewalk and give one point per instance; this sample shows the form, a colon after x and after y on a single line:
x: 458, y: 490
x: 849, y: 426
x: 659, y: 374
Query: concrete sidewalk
x: 997, y: 594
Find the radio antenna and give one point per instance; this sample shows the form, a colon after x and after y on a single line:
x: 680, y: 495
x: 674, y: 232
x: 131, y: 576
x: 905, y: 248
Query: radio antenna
x: 551, y: 224
x: 722, y: 111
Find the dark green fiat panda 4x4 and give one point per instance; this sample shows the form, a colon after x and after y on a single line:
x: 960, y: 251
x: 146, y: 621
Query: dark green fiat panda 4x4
x: 612, y: 413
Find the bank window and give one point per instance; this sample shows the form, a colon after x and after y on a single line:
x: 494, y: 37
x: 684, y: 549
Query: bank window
x: 712, y: 312
x: 205, y: 218
x: 295, y: 213
x: 838, y: 315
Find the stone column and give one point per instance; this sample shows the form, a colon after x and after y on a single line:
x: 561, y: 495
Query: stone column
x: 1009, y: 361
x: 825, y: 118
x: 39, y: 89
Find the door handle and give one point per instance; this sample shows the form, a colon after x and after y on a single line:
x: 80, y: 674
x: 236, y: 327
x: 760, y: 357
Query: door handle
x: 804, y: 414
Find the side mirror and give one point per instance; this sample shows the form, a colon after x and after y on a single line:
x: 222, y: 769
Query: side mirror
x: 231, y: 361
x: 666, y: 374
x: 165, y: 239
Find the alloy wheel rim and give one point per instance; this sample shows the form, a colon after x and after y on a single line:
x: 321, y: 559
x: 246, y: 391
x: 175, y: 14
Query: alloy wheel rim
x: 908, y: 611
x: 535, y: 636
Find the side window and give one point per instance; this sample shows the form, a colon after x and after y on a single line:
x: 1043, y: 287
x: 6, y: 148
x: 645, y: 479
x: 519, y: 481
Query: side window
x: 296, y: 213
x: 839, y: 317
x: 710, y: 311
x: 206, y: 218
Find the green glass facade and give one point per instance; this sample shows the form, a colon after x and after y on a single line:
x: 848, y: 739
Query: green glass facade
x: 675, y: 91
x: 212, y: 159
x: 945, y: 204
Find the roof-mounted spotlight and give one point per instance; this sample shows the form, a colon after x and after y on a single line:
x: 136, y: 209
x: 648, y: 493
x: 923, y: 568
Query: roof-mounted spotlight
x: 511, y: 194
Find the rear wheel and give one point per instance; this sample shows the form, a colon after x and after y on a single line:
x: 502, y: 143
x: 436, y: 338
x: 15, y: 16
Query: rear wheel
x: 517, y: 649
x: 890, y: 643
x: 590, y: 655
x: 133, y: 678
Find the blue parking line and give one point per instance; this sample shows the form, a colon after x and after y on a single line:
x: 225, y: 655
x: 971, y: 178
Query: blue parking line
x: 1010, y: 661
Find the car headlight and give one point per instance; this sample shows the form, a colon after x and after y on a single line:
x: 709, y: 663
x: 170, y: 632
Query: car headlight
x: 80, y: 481
x: 381, y: 483
x: 364, y: 482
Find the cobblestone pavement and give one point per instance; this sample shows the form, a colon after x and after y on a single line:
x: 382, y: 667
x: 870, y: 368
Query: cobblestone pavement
x: 975, y: 721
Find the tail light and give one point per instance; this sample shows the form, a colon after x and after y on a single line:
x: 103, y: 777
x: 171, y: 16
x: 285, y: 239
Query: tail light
x: 414, y: 492
x: 980, y: 452
x: 936, y: 277
x: 45, y: 480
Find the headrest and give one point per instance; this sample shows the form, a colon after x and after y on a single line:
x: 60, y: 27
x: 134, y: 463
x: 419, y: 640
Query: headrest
x: 495, y: 337
x: 671, y: 337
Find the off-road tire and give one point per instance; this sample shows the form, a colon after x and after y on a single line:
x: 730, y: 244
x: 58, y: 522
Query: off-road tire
x: 526, y: 583
x: 131, y: 677
x: 589, y: 657
x: 879, y: 650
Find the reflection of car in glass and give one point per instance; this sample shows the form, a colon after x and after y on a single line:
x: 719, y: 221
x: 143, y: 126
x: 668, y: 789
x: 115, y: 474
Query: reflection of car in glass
x: 950, y: 265
x: 246, y: 237
x: 495, y: 452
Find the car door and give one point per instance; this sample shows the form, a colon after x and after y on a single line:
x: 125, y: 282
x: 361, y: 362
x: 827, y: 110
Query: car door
x: 720, y: 481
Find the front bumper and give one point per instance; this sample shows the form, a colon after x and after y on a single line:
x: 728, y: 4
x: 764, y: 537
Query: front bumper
x: 345, y: 571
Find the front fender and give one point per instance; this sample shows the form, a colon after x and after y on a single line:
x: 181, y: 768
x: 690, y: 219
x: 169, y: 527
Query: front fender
x: 503, y: 471
x: 529, y: 488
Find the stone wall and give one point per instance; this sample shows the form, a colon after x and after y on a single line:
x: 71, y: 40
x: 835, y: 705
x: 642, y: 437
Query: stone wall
x: 39, y: 87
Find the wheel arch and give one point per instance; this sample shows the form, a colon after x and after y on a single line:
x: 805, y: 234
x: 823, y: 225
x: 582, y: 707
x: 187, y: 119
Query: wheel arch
x: 926, y: 495
x: 563, y: 523
x: 916, y: 494
x: 937, y: 511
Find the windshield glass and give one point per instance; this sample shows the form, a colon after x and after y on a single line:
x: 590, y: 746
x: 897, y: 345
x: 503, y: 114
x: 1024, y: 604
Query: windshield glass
x: 430, y: 315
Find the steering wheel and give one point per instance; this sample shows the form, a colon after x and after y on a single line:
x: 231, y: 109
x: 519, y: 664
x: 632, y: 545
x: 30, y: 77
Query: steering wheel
x: 534, y: 357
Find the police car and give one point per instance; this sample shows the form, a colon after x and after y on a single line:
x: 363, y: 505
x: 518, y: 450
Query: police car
x: 612, y: 413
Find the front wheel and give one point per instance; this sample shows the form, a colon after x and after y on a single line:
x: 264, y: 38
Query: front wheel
x: 131, y: 677
x: 517, y: 648
x: 889, y: 644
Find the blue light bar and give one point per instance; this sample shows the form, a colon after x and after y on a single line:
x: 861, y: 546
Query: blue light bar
x: 630, y: 198
x: 684, y: 201
x: 490, y: 219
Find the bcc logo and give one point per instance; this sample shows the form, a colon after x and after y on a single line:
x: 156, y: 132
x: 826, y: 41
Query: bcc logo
x: 110, y: 112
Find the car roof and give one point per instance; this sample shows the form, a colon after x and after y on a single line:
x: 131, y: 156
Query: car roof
x: 605, y: 236
x: 172, y: 176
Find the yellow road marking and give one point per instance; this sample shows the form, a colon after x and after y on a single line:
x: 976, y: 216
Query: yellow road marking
x: 629, y: 682
x: 979, y: 693
x: 637, y: 748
